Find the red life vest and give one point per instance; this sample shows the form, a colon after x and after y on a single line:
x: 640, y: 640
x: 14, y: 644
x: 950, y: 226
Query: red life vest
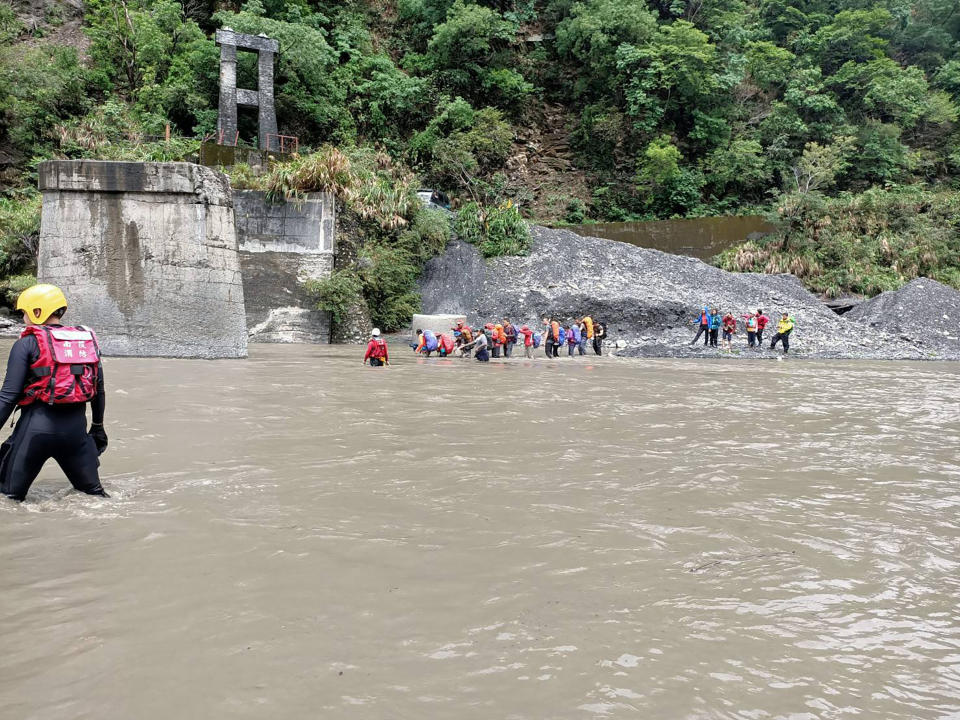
x: 68, y: 367
x: 379, y: 349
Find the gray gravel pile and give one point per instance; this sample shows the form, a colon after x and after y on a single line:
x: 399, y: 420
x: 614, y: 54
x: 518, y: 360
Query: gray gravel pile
x: 923, y: 312
x: 646, y: 297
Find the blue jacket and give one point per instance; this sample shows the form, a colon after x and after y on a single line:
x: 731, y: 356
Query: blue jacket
x: 715, y: 321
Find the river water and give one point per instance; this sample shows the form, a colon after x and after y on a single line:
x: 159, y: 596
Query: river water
x: 697, y: 237
x: 297, y: 536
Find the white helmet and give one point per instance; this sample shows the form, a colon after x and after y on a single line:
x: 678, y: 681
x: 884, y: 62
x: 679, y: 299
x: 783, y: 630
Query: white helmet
x: 375, y: 332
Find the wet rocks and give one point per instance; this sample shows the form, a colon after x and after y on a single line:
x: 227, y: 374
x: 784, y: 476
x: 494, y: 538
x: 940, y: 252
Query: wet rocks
x: 923, y: 312
x: 647, y: 298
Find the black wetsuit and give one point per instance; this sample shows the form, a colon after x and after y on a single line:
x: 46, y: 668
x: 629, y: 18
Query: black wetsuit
x: 46, y: 431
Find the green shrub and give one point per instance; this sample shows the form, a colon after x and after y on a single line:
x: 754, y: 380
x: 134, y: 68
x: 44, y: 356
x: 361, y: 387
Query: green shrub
x: 19, y: 233
x: 576, y: 211
x: 496, y: 231
x: 389, y: 276
x: 427, y: 235
x: 336, y: 294
x: 11, y: 287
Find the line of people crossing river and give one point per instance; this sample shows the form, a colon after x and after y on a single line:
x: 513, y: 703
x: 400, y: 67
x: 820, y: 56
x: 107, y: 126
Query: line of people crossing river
x: 499, y: 340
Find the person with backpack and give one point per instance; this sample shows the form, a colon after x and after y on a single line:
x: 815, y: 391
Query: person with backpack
x: 462, y: 335
x: 729, y: 328
x: 493, y: 339
x: 377, y: 352
x: 445, y: 345
x: 53, y: 371
x: 480, y: 345
x: 751, y: 325
x: 528, y: 345
x: 587, y: 332
x: 510, y: 334
x: 784, y: 328
x: 426, y: 342
x: 703, y: 322
x: 715, y: 322
x: 582, y: 327
x: 551, y: 334
x: 573, y: 338
x: 599, y: 333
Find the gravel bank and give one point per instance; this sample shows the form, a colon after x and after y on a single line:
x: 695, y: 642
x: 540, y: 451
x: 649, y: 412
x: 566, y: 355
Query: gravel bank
x: 648, y: 299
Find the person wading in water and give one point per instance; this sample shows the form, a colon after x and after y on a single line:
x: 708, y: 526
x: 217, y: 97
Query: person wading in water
x: 52, y: 373
x: 377, y: 352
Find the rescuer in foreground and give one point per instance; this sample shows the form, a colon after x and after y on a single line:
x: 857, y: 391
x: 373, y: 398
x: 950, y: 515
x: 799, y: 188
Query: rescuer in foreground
x: 52, y: 373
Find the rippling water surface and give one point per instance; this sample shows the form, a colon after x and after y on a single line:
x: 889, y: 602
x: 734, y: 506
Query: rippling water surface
x: 300, y: 536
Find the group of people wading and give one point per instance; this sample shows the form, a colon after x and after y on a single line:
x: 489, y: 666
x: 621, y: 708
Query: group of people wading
x: 499, y: 340
x: 710, y: 323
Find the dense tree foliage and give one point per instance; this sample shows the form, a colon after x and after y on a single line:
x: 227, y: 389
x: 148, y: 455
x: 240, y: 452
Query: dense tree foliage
x: 673, y: 106
x: 670, y: 107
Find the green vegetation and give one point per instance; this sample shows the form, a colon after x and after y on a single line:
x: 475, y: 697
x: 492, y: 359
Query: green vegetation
x: 394, y: 234
x: 867, y: 243
x: 495, y: 231
x: 19, y: 232
x: 575, y: 110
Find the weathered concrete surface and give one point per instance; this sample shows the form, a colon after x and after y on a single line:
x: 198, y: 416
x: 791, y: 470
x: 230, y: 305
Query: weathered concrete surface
x: 923, y: 312
x: 231, y: 96
x: 281, y: 245
x: 436, y: 323
x: 647, y: 298
x: 147, y: 254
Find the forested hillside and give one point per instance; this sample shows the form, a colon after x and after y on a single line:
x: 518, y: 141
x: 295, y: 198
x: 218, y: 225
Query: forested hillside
x: 604, y: 109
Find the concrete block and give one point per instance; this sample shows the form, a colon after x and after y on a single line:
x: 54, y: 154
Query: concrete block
x: 436, y: 323
x: 147, y: 254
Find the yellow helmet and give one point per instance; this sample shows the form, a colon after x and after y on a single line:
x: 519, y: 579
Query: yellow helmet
x: 39, y: 302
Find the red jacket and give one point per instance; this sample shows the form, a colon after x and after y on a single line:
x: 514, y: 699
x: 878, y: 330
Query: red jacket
x: 762, y: 321
x: 377, y: 349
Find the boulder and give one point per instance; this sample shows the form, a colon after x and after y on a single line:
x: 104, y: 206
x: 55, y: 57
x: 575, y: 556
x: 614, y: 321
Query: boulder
x: 647, y: 298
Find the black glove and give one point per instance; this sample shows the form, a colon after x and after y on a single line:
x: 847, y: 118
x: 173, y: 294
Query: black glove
x: 99, y: 436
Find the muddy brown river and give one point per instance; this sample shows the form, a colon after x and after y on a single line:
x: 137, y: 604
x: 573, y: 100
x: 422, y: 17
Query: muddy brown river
x: 299, y: 536
x: 697, y: 237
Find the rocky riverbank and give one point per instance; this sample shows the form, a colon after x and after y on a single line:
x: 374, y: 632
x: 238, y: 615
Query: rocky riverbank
x: 648, y: 298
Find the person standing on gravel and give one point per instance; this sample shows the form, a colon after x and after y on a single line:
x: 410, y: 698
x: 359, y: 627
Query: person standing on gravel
x: 784, y: 328
x: 729, y: 328
x: 751, y: 324
x: 762, y: 321
x: 715, y: 322
x: 703, y: 320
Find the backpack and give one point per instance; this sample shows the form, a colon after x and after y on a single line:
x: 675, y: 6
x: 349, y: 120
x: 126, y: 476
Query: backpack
x: 68, y: 368
x: 537, y: 339
x: 380, y: 349
x: 563, y: 337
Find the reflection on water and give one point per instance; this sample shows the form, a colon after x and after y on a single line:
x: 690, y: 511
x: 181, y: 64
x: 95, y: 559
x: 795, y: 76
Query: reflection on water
x: 699, y: 237
x: 301, y: 536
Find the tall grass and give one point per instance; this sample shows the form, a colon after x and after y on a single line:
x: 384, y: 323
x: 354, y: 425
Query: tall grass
x: 864, y: 244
